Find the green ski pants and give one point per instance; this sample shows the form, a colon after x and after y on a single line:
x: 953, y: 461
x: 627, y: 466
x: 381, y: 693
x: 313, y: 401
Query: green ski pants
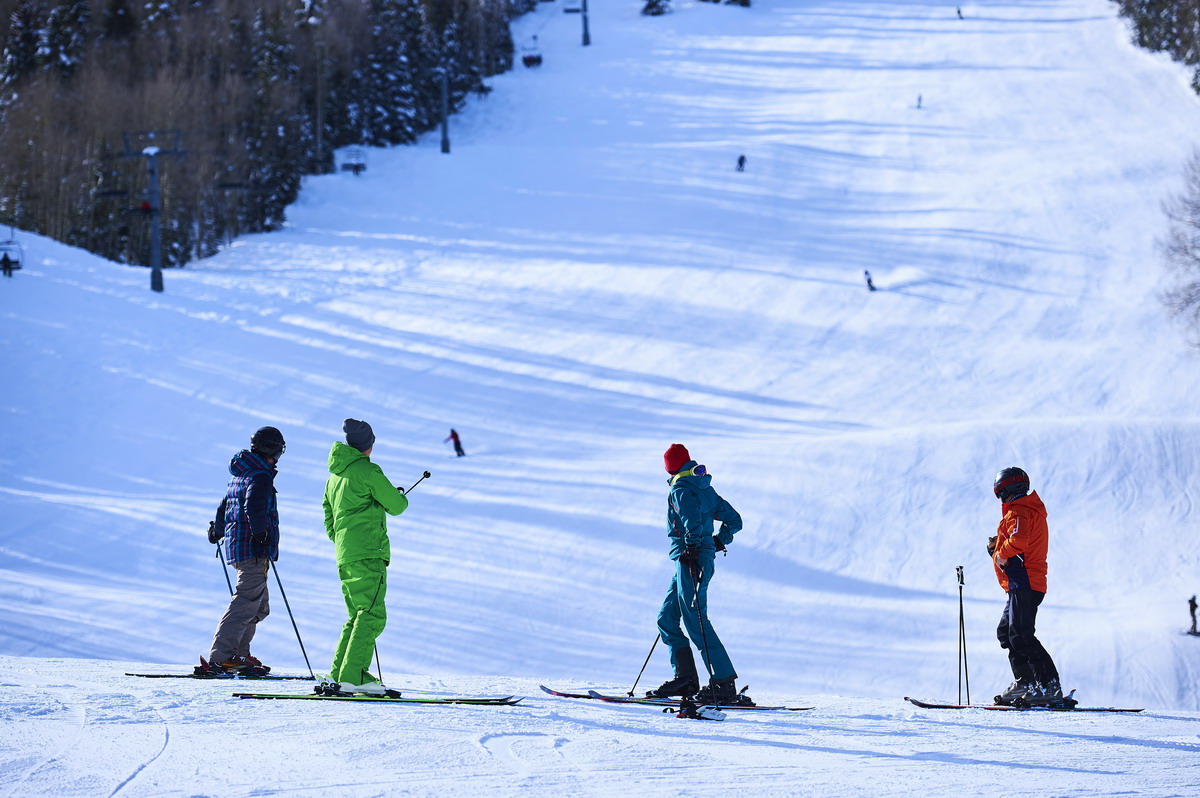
x: 364, y: 586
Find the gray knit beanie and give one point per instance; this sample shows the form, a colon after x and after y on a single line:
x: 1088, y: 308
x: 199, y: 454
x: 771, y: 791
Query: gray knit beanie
x: 358, y: 434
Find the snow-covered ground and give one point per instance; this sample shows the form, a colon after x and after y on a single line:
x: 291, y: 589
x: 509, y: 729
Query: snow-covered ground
x: 584, y: 280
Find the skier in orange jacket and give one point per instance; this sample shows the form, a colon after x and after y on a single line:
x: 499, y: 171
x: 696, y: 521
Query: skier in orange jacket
x: 1019, y: 556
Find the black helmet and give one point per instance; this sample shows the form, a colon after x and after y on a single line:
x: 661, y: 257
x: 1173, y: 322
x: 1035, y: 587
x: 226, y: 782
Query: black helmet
x: 268, y: 442
x: 1011, y: 483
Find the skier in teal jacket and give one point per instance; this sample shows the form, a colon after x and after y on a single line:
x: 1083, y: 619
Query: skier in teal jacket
x: 692, y: 506
x: 357, y: 496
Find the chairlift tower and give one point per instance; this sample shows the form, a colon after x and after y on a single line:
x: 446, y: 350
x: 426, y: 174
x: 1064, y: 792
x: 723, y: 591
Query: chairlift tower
x: 152, y: 144
x: 445, y: 81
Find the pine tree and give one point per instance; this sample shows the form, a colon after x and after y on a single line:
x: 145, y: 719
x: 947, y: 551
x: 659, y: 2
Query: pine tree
x: 23, y: 41
x: 65, y: 36
x: 116, y: 21
x: 389, y: 117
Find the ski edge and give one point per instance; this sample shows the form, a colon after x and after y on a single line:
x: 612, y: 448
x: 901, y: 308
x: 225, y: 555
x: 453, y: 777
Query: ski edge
x: 561, y: 694
x: 505, y: 701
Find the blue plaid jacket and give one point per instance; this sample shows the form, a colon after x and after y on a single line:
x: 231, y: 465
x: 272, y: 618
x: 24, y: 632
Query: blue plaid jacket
x: 249, y: 509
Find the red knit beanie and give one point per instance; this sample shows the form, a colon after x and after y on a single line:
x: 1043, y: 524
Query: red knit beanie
x: 675, y: 457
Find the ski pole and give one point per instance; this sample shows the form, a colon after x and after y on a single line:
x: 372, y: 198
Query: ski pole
x: 644, y: 664
x: 424, y: 476
x: 963, y: 670
x: 293, y: 617
x: 696, y: 575
x: 224, y: 568
x: 378, y: 665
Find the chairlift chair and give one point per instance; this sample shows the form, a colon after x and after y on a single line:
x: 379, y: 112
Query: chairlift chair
x: 11, y: 250
x: 531, y: 54
x: 355, y: 161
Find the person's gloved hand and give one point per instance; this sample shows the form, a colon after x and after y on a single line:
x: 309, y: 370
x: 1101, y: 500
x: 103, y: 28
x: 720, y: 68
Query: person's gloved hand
x: 258, y: 544
x: 991, y: 547
x: 717, y: 543
x: 690, y: 559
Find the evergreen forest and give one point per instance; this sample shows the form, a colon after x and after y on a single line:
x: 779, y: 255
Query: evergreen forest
x: 241, y: 100
x: 1171, y: 26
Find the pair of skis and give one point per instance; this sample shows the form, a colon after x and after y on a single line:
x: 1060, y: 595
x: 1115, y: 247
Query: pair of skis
x: 249, y: 677
x: 670, y: 703
x: 393, y: 698
x: 1069, y: 705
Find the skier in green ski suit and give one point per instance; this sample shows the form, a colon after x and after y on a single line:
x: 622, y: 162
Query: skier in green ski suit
x: 357, y: 495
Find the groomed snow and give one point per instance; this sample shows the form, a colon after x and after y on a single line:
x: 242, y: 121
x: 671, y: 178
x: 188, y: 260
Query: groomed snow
x: 584, y: 280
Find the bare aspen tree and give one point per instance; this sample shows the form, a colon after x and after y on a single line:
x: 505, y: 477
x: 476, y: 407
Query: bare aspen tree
x: 1181, y: 251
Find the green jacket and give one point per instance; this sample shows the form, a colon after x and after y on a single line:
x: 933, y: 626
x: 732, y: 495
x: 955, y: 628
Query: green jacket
x: 357, y: 495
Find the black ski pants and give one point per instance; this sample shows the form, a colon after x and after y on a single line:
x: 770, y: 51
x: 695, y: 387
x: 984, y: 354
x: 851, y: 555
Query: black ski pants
x: 1029, y: 660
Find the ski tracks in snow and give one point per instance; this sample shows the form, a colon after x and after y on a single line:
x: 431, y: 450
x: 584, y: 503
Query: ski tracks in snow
x: 109, y: 732
x: 527, y: 752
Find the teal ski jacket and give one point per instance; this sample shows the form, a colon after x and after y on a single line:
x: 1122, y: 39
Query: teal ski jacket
x: 692, y: 506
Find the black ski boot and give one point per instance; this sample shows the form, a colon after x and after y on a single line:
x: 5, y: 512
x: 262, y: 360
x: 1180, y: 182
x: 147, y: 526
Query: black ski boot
x: 1048, y: 694
x: 681, y: 686
x: 723, y: 693
x: 685, y: 683
x: 1016, y: 693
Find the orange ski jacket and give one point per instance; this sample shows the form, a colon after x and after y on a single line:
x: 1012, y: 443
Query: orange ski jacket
x: 1023, y: 538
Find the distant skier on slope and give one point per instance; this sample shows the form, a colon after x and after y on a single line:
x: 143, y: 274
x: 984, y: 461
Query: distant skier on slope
x: 1192, y: 610
x: 357, y: 497
x: 1019, y: 556
x: 453, y: 436
x: 249, y: 516
x: 692, y: 506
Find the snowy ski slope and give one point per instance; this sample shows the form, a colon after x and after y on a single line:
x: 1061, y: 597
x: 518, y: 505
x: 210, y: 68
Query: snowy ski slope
x: 584, y: 280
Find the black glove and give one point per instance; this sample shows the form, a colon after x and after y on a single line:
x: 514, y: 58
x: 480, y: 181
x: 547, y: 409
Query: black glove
x: 717, y: 542
x: 258, y: 544
x: 215, y: 533
x: 690, y: 559
x: 991, y: 547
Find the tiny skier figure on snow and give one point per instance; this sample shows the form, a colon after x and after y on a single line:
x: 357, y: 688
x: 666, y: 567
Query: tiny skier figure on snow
x: 741, y: 163
x: 6, y: 263
x: 249, y: 516
x: 870, y: 282
x: 692, y: 507
x: 1192, y: 610
x: 1018, y: 553
x: 458, y: 449
x: 358, y: 498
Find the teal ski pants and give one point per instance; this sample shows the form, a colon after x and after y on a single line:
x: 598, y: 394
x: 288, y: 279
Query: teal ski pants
x: 364, y: 586
x: 677, y: 606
